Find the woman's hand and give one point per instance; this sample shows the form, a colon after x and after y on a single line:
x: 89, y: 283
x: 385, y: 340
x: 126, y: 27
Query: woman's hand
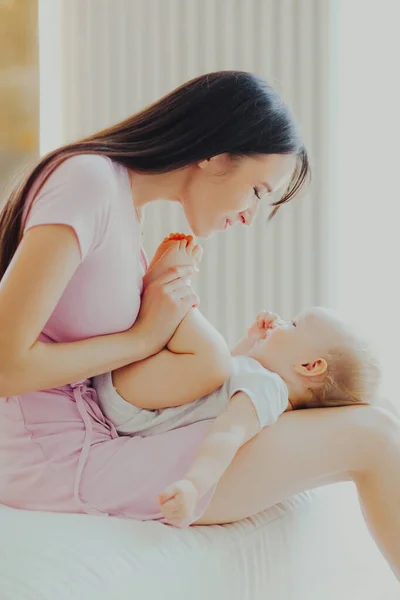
x: 165, y: 302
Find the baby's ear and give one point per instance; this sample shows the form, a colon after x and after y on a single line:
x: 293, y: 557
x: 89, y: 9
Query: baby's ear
x: 312, y: 369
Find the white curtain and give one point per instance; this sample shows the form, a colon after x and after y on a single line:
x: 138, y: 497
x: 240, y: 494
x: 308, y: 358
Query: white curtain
x: 367, y: 186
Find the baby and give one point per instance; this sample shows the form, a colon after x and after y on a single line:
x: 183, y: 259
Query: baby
x: 312, y: 361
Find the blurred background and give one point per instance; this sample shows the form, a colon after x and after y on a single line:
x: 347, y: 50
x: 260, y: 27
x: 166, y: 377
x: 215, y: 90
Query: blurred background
x: 69, y: 67
x: 19, y: 86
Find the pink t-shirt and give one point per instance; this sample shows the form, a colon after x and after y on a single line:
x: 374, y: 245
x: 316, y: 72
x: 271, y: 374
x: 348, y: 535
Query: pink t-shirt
x: 91, y: 194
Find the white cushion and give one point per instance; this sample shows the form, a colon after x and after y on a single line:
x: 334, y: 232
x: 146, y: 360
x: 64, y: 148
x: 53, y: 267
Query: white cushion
x: 311, y: 547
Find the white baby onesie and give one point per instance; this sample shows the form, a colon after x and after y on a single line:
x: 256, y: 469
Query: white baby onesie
x: 265, y: 389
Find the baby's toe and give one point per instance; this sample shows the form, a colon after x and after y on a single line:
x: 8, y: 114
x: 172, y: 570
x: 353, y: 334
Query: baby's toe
x: 197, y: 253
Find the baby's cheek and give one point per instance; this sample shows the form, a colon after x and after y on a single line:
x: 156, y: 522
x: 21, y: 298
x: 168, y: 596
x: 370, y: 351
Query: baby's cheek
x: 279, y: 345
x: 271, y: 348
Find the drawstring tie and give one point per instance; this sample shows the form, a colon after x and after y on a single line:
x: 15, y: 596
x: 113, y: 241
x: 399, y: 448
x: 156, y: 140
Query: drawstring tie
x: 89, y: 410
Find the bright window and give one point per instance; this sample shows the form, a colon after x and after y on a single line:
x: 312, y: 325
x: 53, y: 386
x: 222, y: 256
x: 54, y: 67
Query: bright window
x: 368, y: 172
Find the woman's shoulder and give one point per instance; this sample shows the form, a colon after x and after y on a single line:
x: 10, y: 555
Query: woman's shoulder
x: 91, y: 169
x: 83, y: 181
x: 89, y: 161
x: 80, y: 181
x: 80, y: 192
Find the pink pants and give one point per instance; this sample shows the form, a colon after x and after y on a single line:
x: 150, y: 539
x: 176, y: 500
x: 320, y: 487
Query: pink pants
x: 59, y: 453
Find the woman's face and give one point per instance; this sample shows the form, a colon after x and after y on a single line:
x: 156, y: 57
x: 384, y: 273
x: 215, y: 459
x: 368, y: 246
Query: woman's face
x: 223, y: 191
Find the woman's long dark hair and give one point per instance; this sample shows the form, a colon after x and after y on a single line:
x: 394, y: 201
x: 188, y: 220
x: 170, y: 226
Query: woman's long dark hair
x: 228, y: 111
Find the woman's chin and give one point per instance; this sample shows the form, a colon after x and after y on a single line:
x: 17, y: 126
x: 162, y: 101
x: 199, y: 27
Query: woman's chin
x: 200, y: 232
x: 201, y: 229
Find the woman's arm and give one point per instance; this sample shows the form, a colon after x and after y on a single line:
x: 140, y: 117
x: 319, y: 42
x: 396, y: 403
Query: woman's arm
x: 196, y: 362
x: 40, y: 270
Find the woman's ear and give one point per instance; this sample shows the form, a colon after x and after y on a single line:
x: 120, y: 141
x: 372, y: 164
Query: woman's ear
x: 216, y: 165
x: 312, y: 369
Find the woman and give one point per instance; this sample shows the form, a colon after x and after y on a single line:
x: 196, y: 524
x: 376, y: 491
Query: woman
x: 74, y: 303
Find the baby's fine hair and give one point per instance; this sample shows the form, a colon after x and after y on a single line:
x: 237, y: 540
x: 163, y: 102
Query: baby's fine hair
x: 353, y: 376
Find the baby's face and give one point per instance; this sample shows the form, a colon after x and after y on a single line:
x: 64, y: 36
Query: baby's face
x: 290, y: 345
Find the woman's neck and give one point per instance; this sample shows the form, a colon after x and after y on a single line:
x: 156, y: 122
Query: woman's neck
x: 149, y: 187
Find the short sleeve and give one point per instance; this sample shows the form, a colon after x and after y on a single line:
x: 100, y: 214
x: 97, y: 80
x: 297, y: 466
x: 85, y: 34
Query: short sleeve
x: 267, y: 391
x: 79, y: 194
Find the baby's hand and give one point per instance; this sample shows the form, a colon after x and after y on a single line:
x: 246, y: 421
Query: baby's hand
x: 265, y: 320
x: 178, y: 502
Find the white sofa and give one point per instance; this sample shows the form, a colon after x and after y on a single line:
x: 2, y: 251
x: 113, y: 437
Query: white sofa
x: 312, y: 547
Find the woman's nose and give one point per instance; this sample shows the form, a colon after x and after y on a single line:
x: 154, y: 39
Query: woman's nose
x: 247, y: 216
x: 251, y: 213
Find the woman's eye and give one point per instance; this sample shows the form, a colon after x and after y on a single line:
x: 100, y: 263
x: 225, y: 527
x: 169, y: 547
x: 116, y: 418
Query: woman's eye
x: 257, y: 193
x: 294, y: 323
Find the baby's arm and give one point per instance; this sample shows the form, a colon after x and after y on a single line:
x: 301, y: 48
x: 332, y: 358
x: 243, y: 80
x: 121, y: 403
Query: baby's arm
x: 196, y: 360
x: 257, y: 331
x: 233, y: 428
x: 257, y: 399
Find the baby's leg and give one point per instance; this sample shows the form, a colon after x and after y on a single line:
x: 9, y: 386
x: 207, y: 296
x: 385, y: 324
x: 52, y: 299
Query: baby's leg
x: 233, y: 428
x: 196, y: 361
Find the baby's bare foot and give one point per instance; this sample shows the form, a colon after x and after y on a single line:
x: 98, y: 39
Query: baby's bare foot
x: 176, y: 250
x: 178, y: 502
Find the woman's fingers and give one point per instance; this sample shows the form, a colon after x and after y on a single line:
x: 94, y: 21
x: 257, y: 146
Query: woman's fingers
x: 178, y: 290
x: 187, y: 294
x: 175, y: 273
x: 176, y: 284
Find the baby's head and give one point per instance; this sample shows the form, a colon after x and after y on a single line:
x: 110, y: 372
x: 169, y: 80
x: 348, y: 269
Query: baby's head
x: 320, y: 359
